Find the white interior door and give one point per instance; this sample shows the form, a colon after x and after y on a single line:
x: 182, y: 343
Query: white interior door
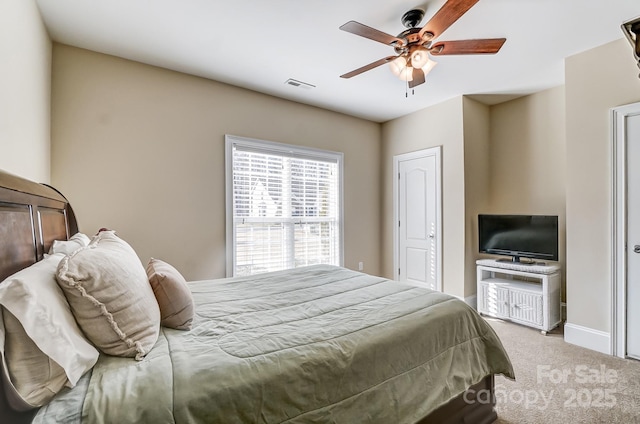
x: 633, y: 236
x: 418, y: 218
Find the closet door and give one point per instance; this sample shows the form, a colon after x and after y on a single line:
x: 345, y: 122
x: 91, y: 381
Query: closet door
x: 418, y: 206
x: 633, y: 236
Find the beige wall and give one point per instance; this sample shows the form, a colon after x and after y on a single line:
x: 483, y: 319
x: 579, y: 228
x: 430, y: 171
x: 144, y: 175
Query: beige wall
x: 477, y: 183
x: 528, y: 158
x: 507, y: 158
x: 591, y: 92
x: 439, y: 125
x: 25, y: 69
x: 141, y: 150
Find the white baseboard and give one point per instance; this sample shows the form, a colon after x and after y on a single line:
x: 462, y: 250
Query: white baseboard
x: 589, y: 338
x: 472, y: 301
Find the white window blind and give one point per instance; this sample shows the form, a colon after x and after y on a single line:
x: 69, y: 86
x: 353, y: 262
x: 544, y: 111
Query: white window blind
x: 284, y: 204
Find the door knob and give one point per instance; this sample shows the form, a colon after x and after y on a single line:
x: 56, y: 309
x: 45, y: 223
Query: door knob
x: 636, y: 248
x: 433, y: 235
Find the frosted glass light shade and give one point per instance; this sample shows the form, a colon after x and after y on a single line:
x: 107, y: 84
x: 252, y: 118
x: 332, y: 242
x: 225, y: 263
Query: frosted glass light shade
x: 419, y: 57
x: 406, y: 74
x: 397, y: 65
x: 429, y: 66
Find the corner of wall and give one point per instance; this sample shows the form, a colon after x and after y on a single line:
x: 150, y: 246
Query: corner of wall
x: 476, y: 123
x: 25, y: 49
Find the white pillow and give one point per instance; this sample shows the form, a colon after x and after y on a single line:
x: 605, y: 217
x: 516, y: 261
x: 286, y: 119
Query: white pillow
x: 31, y: 377
x: 67, y: 247
x: 110, y: 296
x: 34, y: 298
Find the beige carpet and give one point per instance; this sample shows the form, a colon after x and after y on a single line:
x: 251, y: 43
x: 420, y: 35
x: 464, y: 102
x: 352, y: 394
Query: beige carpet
x: 557, y: 382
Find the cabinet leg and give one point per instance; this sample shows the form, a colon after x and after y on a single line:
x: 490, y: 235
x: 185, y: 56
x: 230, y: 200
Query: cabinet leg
x: 543, y: 332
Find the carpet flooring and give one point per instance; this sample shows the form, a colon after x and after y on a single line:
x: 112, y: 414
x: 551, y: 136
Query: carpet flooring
x: 557, y: 382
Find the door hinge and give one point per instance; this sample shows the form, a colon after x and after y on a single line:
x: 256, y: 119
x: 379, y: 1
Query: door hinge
x: 398, y: 271
x: 398, y: 175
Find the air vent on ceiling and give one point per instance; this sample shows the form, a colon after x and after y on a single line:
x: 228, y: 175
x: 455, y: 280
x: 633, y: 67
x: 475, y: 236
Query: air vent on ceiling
x: 300, y: 84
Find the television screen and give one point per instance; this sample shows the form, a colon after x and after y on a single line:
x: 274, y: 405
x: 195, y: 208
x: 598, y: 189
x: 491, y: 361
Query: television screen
x: 519, y: 236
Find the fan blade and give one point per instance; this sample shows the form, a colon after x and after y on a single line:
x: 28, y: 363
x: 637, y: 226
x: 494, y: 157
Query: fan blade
x: 370, y: 33
x: 446, y: 16
x: 418, y: 78
x: 483, y: 46
x: 368, y: 67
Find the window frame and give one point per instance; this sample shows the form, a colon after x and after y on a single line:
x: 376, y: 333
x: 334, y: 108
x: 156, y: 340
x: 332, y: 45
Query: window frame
x: 283, y: 149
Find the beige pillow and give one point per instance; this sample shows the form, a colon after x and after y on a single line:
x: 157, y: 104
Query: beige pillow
x: 107, y: 288
x: 172, y: 293
x: 41, y: 345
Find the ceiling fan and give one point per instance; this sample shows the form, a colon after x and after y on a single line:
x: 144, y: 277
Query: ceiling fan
x: 414, y: 45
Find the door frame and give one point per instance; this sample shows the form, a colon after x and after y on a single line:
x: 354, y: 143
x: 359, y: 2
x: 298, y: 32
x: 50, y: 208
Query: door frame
x: 619, y: 116
x: 432, y: 151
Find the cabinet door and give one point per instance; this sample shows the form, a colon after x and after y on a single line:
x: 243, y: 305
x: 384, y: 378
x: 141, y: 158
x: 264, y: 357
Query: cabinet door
x: 495, y: 300
x: 526, y: 307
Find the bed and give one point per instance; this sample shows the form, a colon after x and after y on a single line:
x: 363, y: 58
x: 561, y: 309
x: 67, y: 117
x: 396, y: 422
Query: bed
x: 316, y: 344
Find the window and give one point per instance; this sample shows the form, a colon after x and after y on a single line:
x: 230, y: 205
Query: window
x: 284, y: 206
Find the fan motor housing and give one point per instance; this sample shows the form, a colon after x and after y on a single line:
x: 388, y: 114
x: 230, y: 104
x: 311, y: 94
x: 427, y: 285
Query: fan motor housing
x: 411, y: 37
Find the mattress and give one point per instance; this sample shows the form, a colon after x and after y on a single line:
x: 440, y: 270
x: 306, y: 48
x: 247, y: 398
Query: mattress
x: 313, y: 344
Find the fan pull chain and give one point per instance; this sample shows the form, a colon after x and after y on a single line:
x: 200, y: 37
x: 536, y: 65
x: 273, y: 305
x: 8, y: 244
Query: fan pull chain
x: 406, y: 90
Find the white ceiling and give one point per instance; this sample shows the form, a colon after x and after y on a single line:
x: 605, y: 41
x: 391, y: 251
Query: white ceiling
x: 258, y: 44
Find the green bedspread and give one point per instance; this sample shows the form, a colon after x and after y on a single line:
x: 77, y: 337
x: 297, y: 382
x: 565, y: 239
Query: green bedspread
x: 318, y: 344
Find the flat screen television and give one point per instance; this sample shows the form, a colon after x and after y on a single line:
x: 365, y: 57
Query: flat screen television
x: 519, y: 236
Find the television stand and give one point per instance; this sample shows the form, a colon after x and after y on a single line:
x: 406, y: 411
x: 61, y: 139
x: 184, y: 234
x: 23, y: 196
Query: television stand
x: 525, y: 294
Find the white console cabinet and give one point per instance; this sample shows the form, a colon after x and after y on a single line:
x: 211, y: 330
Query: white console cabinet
x: 526, y: 294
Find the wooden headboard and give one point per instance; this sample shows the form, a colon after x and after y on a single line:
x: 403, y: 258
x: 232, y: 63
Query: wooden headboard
x: 32, y: 216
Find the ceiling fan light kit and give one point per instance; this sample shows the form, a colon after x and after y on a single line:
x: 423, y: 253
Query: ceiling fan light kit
x: 414, y: 45
x: 404, y: 69
x: 419, y: 57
